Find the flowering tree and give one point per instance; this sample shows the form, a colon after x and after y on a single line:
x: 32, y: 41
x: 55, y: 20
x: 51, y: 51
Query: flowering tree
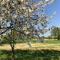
x: 21, y: 16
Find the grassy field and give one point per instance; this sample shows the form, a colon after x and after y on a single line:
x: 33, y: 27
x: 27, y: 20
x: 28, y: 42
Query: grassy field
x: 52, y: 41
x: 35, y: 46
x: 49, y: 41
x: 49, y: 50
x: 47, y: 44
x: 31, y: 55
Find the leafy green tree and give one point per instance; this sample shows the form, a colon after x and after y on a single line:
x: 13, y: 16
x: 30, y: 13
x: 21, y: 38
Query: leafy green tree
x: 55, y: 32
x: 19, y: 15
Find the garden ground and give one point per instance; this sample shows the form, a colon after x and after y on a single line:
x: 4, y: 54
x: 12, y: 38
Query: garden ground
x: 48, y: 44
x: 38, y: 51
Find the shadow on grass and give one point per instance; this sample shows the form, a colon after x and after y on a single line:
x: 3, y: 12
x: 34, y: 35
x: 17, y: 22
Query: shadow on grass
x: 31, y: 55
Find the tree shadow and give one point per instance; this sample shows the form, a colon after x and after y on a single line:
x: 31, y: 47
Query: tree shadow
x: 30, y: 55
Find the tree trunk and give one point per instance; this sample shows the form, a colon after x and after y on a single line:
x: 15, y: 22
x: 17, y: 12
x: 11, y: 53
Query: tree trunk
x: 58, y: 37
x: 13, y: 52
x: 12, y: 45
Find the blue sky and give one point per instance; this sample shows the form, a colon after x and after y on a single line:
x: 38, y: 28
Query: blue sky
x: 55, y: 7
x: 50, y: 9
x: 55, y: 21
x: 57, y: 17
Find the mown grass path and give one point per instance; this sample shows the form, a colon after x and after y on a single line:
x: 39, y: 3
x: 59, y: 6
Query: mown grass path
x: 35, y: 46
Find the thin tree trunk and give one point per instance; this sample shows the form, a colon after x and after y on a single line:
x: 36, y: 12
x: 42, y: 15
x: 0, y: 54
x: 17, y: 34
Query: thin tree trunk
x: 13, y: 52
x: 12, y: 45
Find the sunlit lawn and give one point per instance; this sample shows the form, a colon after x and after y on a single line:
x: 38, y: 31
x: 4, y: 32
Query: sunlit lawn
x: 47, y: 44
x: 48, y: 41
x: 49, y: 50
x: 52, y: 41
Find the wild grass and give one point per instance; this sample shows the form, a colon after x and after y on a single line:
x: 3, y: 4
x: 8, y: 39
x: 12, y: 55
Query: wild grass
x: 31, y: 55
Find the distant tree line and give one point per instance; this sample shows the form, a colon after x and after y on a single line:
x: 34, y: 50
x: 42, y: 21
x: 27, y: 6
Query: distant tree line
x: 55, y: 32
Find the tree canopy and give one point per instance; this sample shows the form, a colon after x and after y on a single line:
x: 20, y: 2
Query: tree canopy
x: 20, y: 16
x: 55, y: 32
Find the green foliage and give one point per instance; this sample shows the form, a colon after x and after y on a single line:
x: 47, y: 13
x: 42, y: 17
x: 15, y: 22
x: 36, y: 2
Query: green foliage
x: 55, y: 32
x: 19, y: 14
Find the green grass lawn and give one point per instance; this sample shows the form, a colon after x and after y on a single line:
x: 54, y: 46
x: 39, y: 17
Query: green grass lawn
x: 47, y: 44
x: 48, y: 41
x: 52, y: 41
x: 31, y: 55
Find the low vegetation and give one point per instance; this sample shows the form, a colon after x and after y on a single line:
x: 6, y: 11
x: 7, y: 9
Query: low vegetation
x: 31, y: 55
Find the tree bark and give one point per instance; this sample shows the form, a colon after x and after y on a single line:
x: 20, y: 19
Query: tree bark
x: 13, y: 52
